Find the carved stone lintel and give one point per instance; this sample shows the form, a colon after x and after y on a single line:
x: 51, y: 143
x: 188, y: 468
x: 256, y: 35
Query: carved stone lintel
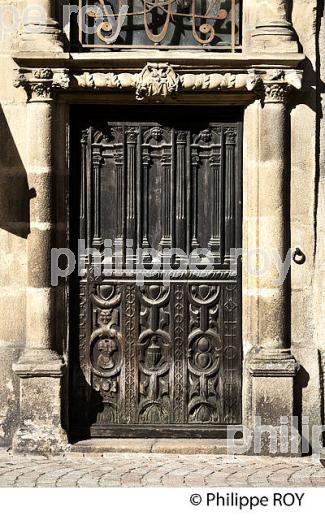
x: 158, y: 81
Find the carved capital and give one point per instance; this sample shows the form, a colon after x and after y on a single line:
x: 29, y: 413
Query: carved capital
x: 279, y: 83
x: 276, y: 92
x: 41, y: 84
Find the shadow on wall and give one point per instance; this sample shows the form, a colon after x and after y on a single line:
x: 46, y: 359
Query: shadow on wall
x: 14, y: 192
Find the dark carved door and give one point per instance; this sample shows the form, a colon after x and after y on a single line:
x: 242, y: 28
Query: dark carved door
x: 156, y: 352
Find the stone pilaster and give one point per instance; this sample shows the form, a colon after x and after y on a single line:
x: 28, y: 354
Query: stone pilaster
x: 274, y: 31
x: 40, y: 368
x: 41, y: 31
x: 273, y: 367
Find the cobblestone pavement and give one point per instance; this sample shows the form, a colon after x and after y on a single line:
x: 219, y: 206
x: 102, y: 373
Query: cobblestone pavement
x: 156, y: 470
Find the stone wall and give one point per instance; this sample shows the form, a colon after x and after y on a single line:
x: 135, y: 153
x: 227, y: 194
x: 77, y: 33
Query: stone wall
x: 307, y: 209
x: 14, y: 227
x: 303, y: 215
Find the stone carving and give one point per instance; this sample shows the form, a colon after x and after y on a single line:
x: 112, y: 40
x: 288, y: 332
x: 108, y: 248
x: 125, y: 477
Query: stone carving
x: 213, y: 81
x: 156, y: 80
x: 159, y: 81
x: 278, y: 83
x: 41, y: 83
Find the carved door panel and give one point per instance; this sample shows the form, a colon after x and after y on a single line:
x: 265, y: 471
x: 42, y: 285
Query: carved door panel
x: 156, y: 352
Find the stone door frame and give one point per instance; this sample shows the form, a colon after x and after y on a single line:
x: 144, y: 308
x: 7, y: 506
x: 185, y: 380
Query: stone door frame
x: 262, y: 85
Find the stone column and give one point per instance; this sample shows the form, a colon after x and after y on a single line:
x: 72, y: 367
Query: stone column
x: 273, y: 367
x: 40, y: 368
x: 41, y: 31
x: 274, y: 31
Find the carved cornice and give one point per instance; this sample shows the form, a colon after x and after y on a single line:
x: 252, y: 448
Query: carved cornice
x: 158, y: 81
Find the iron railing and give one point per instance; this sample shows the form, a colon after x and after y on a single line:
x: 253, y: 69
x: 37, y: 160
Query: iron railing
x: 167, y: 24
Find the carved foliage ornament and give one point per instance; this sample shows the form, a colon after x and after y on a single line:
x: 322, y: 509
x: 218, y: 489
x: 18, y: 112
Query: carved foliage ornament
x: 159, y: 81
x: 41, y: 83
x: 278, y: 83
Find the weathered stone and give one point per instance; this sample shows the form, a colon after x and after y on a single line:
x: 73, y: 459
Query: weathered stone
x: 284, y: 201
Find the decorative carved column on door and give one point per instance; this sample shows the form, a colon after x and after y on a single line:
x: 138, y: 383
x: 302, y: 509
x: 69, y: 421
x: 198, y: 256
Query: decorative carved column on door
x: 274, y: 367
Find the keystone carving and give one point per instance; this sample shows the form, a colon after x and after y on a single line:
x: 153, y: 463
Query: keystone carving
x: 156, y: 80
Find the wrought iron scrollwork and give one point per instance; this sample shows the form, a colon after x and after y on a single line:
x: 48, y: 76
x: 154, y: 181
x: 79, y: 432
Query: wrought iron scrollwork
x: 170, y: 23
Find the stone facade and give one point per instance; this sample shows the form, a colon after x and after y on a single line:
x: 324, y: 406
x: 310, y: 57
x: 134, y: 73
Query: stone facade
x: 278, y: 78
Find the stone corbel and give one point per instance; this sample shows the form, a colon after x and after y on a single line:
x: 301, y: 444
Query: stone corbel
x: 274, y: 31
x: 41, y: 84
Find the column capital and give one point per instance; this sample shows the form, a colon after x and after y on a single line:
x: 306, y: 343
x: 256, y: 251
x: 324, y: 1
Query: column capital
x: 278, y: 83
x: 42, y: 83
x: 276, y: 92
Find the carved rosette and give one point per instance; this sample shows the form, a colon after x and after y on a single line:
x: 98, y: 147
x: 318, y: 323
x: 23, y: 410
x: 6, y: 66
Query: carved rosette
x: 41, y: 84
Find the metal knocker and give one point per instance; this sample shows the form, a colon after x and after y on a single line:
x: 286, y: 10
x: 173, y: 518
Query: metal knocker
x: 299, y: 257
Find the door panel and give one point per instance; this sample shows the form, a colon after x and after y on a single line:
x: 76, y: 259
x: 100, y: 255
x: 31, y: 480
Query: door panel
x: 156, y: 358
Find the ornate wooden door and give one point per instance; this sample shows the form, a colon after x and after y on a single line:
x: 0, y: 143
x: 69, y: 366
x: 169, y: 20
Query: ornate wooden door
x: 156, y: 353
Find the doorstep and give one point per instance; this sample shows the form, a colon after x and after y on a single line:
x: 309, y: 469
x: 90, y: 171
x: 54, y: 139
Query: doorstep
x: 176, y: 446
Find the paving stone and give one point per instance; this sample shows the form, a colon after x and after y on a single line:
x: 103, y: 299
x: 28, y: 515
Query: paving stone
x: 110, y: 469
